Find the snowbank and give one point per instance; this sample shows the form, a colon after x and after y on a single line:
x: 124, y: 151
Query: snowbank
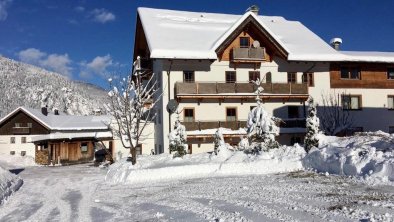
x: 227, y: 163
x: 16, y: 161
x: 9, y: 183
x: 368, y: 155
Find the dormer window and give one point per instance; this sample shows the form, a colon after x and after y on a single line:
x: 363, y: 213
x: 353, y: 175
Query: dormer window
x: 244, y: 42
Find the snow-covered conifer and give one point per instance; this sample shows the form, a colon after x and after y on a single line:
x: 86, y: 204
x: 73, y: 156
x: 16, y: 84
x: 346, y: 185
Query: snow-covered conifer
x: 261, y: 126
x: 218, y: 140
x: 177, y: 138
x: 312, y: 126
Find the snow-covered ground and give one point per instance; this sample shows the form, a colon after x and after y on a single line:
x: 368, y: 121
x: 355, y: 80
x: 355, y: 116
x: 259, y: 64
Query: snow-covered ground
x: 16, y: 161
x: 280, y: 184
x: 79, y: 193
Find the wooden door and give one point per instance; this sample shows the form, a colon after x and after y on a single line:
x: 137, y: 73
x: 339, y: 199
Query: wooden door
x: 72, y: 151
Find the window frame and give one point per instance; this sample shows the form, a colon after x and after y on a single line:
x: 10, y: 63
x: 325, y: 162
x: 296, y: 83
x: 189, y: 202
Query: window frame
x: 390, y: 70
x: 185, y: 117
x: 349, y: 108
x: 308, y: 78
x: 23, y: 139
x: 244, y: 38
x: 186, y: 80
x: 87, y: 147
x: 349, y: 71
x: 291, y: 76
x: 392, y: 97
x: 268, y: 77
x: 18, y: 125
x: 12, y: 140
x: 228, y: 74
x: 254, y: 74
x: 236, y: 113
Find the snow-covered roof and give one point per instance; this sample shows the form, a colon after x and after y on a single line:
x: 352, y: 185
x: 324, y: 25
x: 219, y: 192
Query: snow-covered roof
x: 196, y: 35
x: 64, y: 121
x: 73, y: 135
x: 363, y: 56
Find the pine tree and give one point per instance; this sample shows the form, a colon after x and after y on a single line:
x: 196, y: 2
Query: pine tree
x: 177, y: 139
x: 312, y: 127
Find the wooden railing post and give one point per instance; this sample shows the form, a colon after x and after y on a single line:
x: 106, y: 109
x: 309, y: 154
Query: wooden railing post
x: 290, y: 87
x: 197, y: 92
x: 199, y: 126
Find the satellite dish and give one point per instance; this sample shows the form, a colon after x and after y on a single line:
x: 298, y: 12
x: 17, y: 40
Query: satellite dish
x: 256, y: 44
x: 172, y: 106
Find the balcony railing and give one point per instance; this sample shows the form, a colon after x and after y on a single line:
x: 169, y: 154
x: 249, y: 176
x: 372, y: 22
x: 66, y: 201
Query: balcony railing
x: 248, y: 54
x: 21, y: 130
x: 201, y: 88
x: 235, y: 125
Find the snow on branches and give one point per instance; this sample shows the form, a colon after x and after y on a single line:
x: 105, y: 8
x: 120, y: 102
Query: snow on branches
x: 132, y: 102
x: 177, y: 139
x: 261, y: 126
x: 312, y: 127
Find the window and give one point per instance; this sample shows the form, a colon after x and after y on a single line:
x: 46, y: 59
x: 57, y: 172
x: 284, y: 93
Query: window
x: 188, y: 115
x: 254, y: 75
x: 390, y: 73
x: 391, y: 129
x: 231, y: 114
x: 84, y: 147
x: 12, y: 140
x: 188, y: 76
x: 230, y: 77
x: 350, y: 73
x: 138, y: 149
x: 30, y: 125
x: 307, y: 77
x: 18, y: 125
x: 390, y: 102
x: 293, y: 112
x: 351, y: 102
x: 268, y: 77
x: 23, y: 139
x: 244, y: 42
x: 291, y: 77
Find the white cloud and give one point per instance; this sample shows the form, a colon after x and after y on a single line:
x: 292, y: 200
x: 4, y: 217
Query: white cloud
x: 79, y: 9
x: 102, y: 15
x: 98, y: 65
x: 3, y: 9
x: 53, y: 62
x: 31, y: 55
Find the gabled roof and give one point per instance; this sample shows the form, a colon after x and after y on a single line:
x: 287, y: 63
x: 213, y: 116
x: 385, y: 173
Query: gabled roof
x: 196, y: 35
x: 174, y: 34
x: 63, y: 121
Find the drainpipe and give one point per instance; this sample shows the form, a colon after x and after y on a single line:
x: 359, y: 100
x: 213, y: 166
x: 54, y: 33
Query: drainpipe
x: 169, y: 93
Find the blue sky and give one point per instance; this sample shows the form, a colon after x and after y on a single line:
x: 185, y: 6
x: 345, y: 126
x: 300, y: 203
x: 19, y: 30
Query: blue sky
x: 87, y: 39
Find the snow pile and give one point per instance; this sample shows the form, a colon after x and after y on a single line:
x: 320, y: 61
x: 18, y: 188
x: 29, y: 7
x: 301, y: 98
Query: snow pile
x: 227, y: 163
x: 368, y: 155
x: 9, y: 183
x: 16, y: 161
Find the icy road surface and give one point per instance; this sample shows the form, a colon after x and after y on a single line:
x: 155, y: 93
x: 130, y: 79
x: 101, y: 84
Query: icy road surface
x: 79, y: 193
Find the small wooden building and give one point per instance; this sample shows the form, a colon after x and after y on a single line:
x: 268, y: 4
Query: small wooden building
x: 55, y: 137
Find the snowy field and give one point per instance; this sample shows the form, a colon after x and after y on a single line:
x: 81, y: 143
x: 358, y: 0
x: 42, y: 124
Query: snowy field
x: 79, y: 193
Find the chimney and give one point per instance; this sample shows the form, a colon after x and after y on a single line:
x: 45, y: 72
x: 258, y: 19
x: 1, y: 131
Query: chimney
x: 56, y: 111
x: 254, y: 8
x: 44, y: 110
x: 335, y: 43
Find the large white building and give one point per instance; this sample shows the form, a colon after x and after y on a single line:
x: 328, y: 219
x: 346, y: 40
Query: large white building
x: 205, y: 61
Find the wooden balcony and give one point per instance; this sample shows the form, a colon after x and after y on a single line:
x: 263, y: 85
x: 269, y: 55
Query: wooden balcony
x: 21, y: 130
x: 239, y: 89
x: 248, y: 55
x: 235, y: 125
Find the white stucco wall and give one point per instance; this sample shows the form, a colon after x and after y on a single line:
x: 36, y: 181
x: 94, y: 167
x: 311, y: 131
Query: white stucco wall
x: 6, y: 146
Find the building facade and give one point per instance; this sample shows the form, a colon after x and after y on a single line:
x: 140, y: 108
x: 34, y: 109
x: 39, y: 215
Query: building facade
x: 206, y: 62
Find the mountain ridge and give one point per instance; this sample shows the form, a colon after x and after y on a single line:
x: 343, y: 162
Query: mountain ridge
x: 31, y: 86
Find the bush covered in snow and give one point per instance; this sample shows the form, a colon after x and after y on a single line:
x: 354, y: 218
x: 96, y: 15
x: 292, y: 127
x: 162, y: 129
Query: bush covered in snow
x: 177, y: 139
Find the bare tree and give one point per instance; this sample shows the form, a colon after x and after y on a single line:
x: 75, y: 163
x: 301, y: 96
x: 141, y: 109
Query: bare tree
x: 132, y: 103
x: 333, y: 118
